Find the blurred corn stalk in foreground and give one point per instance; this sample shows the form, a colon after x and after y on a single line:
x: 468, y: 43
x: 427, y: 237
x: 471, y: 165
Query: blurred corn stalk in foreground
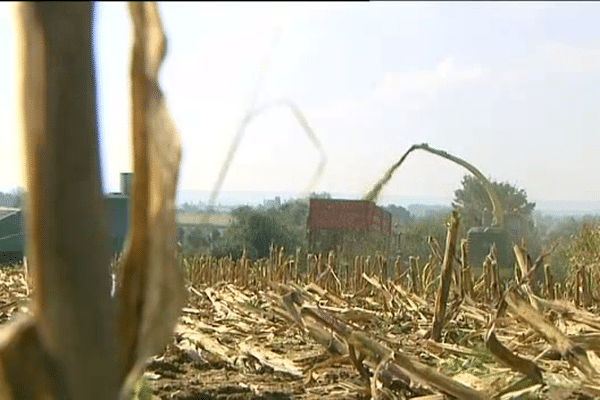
x: 81, y: 344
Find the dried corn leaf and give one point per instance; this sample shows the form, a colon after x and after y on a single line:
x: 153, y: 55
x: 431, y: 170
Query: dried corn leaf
x: 151, y: 295
x: 273, y: 360
x: 446, y: 275
x: 522, y: 365
x: 558, y: 340
x: 396, y: 363
x: 403, y: 365
x: 68, y: 352
x: 206, y: 342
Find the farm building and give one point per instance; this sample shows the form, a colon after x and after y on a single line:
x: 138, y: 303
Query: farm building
x: 11, y: 224
x: 117, y: 204
x: 207, y: 223
x: 12, y: 243
x: 270, y: 204
x: 11, y: 235
x: 348, y: 227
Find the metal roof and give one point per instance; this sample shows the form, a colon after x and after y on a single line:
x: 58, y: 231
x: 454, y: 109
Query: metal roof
x: 11, y: 231
x: 182, y: 218
x: 213, y: 219
x: 116, y: 195
x: 7, y: 210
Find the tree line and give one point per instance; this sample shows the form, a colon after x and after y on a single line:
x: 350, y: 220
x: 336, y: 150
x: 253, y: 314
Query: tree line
x: 12, y: 199
x: 255, y: 228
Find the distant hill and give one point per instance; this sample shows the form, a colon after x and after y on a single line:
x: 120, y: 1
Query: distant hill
x: 563, y: 208
x: 424, y: 210
x: 257, y: 197
x: 419, y: 206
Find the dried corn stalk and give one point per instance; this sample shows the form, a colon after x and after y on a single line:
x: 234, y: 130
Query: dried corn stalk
x: 70, y: 349
x: 151, y: 295
x: 446, y: 275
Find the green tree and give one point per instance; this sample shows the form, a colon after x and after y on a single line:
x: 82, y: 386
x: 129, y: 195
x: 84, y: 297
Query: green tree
x: 568, y: 235
x: 416, y: 231
x: 18, y: 197
x: 400, y: 215
x: 193, y: 207
x: 321, y: 195
x: 293, y: 215
x: 200, y: 240
x: 14, y: 198
x: 471, y: 199
x: 254, y: 231
x: 582, y: 248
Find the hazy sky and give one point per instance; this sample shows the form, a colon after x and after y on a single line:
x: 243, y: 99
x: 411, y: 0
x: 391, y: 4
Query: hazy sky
x: 513, y: 88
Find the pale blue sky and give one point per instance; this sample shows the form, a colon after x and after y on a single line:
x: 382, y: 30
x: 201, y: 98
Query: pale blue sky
x: 513, y: 88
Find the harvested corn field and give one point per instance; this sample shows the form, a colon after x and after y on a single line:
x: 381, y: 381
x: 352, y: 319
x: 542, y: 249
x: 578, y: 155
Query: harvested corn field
x: 282, y: 329
x: 476, y: 318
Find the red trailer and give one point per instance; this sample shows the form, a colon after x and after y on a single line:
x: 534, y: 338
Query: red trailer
x: 335, y: 222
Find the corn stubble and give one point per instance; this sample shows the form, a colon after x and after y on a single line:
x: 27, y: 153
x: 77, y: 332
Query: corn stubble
x: 428, y: 329
x: 421, y: 329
